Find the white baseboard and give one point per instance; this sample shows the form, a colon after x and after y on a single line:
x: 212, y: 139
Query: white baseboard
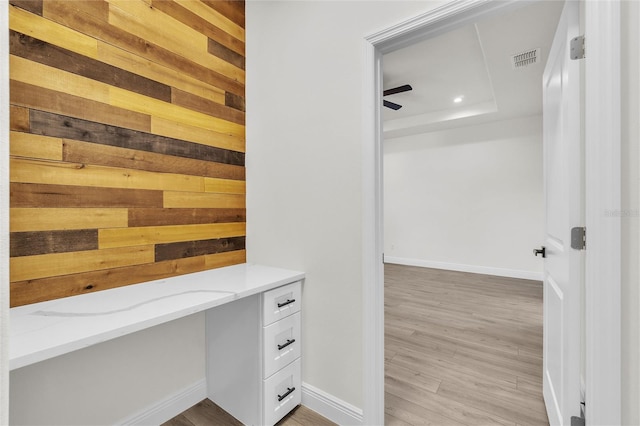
x: 329, y: 406
x: 500, y: 272
x: 166, y: 409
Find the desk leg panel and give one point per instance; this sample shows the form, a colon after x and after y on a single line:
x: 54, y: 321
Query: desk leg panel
x: 234, y: 356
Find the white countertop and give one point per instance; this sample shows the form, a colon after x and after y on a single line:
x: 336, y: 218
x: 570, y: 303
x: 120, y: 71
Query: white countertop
x: 44, y: 330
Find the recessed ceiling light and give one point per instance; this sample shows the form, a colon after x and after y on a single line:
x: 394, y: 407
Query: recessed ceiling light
x: 458, y: 99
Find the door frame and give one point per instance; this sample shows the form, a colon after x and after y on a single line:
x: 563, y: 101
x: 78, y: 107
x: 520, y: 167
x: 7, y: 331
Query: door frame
x: 603, y: 184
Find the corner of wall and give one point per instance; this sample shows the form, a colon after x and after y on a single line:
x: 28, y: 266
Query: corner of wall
x: 4, y: 213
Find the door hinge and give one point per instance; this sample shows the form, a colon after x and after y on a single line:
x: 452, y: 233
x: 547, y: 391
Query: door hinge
x: 579, y: 238
x: 577, y: 48
x: 579, y: 421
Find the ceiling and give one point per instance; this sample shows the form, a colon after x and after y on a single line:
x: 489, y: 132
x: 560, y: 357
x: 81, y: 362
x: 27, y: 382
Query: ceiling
x: 473, y: 62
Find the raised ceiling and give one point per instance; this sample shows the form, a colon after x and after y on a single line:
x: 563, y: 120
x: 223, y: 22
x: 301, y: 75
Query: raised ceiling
x: 473, y: 62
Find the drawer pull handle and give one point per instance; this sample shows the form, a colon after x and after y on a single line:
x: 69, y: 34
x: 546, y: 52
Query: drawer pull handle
x: 286, y: 394
x: 284, y: 345
x: 288, y: 302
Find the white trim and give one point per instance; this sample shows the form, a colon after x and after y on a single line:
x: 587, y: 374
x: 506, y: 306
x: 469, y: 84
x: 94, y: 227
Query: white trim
x: 169, y: 407
x: 4, y: 212
x: 474, y: 269
x: 329, y: 406
x: 603, y: 184
x: 372, y: 245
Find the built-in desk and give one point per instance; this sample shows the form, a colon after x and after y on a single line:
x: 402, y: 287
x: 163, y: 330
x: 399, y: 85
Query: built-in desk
x: 48, y: 329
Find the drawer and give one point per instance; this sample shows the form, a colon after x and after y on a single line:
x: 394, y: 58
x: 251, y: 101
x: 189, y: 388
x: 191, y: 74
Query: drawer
x: 281, y: 342
x: 280, y: 302
x: 282, y: 393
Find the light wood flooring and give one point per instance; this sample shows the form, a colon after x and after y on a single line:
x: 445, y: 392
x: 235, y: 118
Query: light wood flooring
x: 206, y: 413
x: 462, y: 348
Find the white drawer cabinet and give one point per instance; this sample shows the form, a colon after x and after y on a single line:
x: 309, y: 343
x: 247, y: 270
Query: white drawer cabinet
x: 281, y: 344
x: 280, y: 302
x: 254, y: 355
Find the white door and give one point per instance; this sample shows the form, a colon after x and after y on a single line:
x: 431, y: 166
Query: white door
x: 564, y: 184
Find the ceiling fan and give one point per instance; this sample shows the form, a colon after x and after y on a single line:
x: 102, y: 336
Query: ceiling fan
x: 399, y: 89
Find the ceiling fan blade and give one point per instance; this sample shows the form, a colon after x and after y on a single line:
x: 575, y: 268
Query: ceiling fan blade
x: 391, y: 105
x: 398, y: 89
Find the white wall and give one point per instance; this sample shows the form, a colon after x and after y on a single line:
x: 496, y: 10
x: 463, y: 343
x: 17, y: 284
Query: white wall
x: 630, y: 214
x: 304, y: 172
x: 468, y: 198
x: 110, y: 382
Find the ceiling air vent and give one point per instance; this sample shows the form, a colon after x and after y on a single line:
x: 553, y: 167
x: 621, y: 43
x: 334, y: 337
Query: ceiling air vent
x: 525, y: 59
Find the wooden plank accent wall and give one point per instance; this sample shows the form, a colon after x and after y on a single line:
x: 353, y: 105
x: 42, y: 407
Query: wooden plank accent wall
x: 127, y: 142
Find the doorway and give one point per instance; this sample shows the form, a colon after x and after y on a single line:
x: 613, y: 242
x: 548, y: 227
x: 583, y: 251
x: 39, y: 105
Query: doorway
x: 463, y: 191
x: 604, y: 19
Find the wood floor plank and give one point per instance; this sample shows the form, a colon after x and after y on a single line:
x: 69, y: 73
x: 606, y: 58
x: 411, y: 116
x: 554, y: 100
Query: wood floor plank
x: 403, y: 412
x: 479, y: 336
x: 505, y: 404
x: 450, y: 408
x: 306, y: 417
x: 207, y: 413
x: 179, y: 420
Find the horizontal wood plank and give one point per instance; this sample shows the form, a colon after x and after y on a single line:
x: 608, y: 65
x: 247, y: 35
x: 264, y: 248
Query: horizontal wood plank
x: 19, y: 119
x: 226, y: 54
x: 35, y: 146
x: 126, y: 60
x: 184, y: 216
x: 229, y: 258
x: 88, y: 153
x: 78, y: 174
x: 61, y: 126
x: 126, y: 237
x: 176, y: 130
x: 155, y: 108
x: 49, y: 288
x: 32, y: 195
x: 51, y: 55
x: 43, y: 29
x: 77, y: 15
x: 205, y: 106
x: 48, y: 265
x: 33, y: 6
x: 136, y: 17
x: 51, y: 78
x: 44, y: 242
x: 204, y: 20
x: 224, y: 186
x: 234, y: 101
x: 233, y: 10
x: 174, y: 199
x: 46, y: 219
x: 40, y: 290
x: 36, y: 98
x: 198, y: 248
